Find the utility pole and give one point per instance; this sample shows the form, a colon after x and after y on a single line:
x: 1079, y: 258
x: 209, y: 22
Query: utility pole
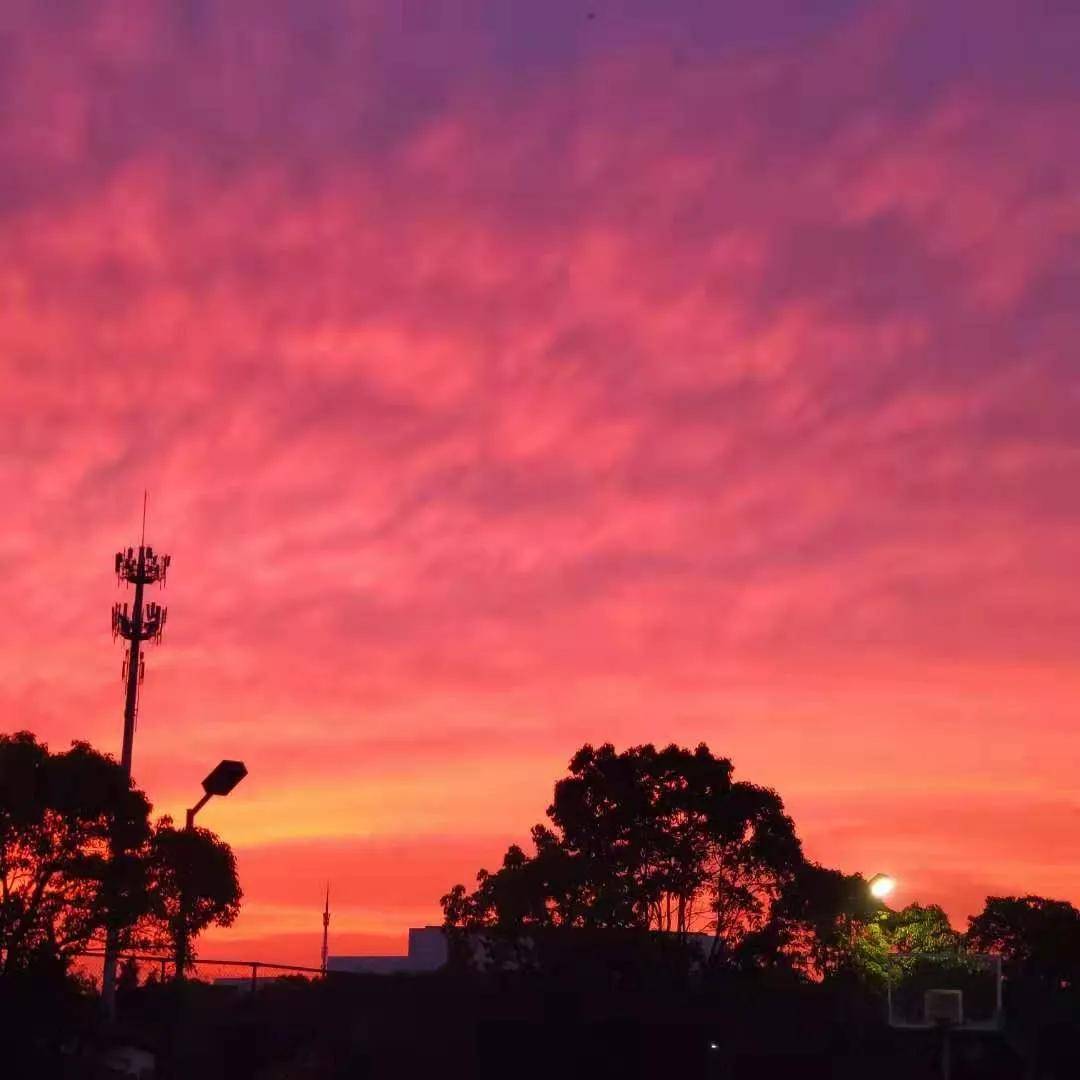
x: 142, y: 622
x: 326, y: 930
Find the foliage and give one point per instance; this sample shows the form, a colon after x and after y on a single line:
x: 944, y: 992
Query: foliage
x: 1036, y: 938
x: 825, y: 923
x: 830, y: 924
x: 667, y: 840
x: 920, y: 938
x: 61, y: 815
x: 191, y: 884
x: 918, y: 949
x: 919, y: 930
x: 646, y: 839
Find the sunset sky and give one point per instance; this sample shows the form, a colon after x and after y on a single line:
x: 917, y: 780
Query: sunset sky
x: 512, y: 375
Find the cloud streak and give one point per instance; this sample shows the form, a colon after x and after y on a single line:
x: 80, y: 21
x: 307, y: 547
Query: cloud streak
x: 500, y: 388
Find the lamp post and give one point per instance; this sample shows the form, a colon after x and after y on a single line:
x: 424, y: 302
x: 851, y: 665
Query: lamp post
x: 881, y: 886
x: 222, y: 779
x: 225, y: 776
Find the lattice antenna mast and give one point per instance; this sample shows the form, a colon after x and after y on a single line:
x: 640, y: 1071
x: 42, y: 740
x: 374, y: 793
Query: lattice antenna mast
x: 138, y: 623
x: 326, y: 930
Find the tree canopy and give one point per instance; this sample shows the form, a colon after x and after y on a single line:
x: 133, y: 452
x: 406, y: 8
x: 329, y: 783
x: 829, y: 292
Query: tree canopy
x: 823, y: 923
x: 1036, y: 938
x: 668, y: 840
x: 645, y: 839
x: 191, y: 884
x: 71, y: 829
x: 78, y: 855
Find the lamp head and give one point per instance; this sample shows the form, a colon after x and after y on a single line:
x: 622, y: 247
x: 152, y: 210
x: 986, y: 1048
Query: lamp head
x: 881, y: 885
x: 226, y: 775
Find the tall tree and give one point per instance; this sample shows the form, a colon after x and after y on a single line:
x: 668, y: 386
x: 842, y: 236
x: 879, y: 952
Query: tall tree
x: 192, y: 884
x: 60, y: 817
x: 643, y: 839
x: 1035, y: 937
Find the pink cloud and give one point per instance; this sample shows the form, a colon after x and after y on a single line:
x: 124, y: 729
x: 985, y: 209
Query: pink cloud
x: 485, y: 415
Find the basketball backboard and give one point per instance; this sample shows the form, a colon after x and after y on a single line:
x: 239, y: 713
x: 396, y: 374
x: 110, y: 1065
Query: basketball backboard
x: 961, y: 991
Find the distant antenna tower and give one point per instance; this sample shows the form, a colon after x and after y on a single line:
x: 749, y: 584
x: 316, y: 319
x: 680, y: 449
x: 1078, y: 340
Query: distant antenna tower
x: 135, y: 623
x: 142, y: 622
x: 326, y: 930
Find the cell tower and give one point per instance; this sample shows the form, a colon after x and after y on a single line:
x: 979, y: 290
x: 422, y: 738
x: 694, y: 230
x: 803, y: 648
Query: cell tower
x: 143, y: 622
x: 326, y: 930
x: 136, y: 623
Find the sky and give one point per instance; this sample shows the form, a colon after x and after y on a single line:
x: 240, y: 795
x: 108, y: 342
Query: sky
x: 507, y: 376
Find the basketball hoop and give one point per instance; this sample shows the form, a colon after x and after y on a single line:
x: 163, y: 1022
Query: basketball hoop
x: 951, y: 992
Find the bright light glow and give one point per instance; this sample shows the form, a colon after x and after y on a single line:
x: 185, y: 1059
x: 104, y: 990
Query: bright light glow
x: 881, y: 885
x: 714, y: 1046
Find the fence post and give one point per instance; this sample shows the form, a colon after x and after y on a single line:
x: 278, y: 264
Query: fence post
x: 254, y: 976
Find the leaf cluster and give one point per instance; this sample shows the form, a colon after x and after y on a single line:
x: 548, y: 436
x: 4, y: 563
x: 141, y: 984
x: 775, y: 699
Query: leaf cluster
x: 1037, y: 938
x: 78, y: 857
x: 71, y: 828
x: 646, y: 839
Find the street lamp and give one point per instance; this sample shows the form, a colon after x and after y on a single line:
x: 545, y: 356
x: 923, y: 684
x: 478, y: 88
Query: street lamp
x: 225, y: 776
x: 222, y: 779
x: 881, y: 885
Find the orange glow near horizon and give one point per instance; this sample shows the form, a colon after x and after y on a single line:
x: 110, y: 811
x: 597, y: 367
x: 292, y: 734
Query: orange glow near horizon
x: 502, y: 387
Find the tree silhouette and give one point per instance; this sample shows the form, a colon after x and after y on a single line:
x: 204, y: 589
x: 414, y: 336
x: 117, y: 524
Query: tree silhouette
x: 192, y: 884
x: 71, y: 830
x: 821, y: 925
x: 666, y: 840
x: 643, y: 839
x: 1036, y: 938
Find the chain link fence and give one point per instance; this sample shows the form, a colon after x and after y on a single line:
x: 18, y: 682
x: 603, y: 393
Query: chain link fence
x: 140, y: 969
